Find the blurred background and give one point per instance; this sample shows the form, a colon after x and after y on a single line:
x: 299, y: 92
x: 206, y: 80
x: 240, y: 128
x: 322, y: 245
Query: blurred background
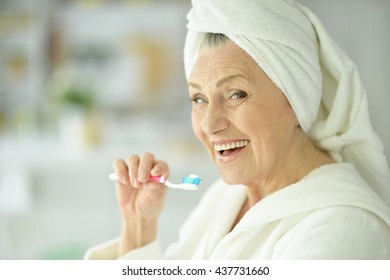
x: 83, y: 82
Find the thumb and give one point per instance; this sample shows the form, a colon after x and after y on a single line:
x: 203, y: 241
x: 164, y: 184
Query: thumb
x: 160, y: 169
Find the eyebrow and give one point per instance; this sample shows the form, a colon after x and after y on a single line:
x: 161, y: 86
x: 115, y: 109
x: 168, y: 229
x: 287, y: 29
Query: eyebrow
x: 220, y: 82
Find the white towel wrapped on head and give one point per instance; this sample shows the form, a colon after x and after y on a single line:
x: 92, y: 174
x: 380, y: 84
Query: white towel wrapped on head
x: 321, y: 83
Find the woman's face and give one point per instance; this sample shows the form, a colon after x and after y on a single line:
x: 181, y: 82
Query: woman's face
x: 243, y: 119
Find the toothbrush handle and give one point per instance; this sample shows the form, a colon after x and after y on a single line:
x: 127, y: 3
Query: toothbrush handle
x: 158, y: 179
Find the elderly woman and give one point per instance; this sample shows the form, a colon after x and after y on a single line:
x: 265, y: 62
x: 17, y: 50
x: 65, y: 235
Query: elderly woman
x: 283, y: 115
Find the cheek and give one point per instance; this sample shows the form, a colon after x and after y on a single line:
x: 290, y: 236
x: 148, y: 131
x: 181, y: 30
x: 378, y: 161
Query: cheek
x: 285, y: 120
x: 280, y: 129
x: 252, y: 121
x: 267, y: 126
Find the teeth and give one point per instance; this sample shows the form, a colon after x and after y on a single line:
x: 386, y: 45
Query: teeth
x: 232, y: 145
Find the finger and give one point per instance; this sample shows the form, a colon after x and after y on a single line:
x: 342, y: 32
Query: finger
x: 121, y: 171
x: 145, y: 166
x: 133, y: 164
x: 160, y: 168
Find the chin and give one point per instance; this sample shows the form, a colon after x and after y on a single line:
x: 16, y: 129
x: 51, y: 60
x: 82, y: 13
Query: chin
x: 231, y: 179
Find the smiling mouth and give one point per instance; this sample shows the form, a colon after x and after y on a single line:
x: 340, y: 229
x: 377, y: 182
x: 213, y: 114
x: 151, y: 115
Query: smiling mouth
x: 230, y: 148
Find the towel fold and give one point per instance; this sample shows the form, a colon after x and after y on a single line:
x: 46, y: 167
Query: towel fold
x: 321, y: 83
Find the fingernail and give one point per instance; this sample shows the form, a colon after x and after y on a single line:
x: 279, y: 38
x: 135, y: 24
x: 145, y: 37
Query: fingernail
x: 156, y: 170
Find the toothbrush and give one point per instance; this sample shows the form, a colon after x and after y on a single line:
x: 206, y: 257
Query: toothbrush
x: 190, y: 182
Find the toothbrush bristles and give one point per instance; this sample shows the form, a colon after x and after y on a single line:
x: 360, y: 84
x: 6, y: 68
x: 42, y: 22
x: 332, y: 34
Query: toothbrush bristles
x: 192, y: 179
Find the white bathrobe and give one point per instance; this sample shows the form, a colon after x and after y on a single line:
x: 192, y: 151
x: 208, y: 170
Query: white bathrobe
x: 330, y: 214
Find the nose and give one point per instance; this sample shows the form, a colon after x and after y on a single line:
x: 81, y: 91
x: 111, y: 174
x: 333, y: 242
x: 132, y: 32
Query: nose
x: 215, y: 120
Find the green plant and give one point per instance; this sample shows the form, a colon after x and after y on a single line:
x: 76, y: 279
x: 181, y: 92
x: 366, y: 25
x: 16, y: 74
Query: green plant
x: 78, y: 97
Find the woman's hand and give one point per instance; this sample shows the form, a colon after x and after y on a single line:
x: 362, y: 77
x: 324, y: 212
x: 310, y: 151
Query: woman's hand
x: 140, y: 201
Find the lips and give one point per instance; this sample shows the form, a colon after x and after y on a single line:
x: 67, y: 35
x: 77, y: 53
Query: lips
x: 230, y: 150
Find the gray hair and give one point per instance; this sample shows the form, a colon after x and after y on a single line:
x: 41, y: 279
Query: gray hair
x: 214, y: 40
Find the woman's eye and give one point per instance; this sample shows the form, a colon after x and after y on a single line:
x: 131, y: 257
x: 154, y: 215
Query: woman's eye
x: 198, y: 100
x: 239, y: 95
